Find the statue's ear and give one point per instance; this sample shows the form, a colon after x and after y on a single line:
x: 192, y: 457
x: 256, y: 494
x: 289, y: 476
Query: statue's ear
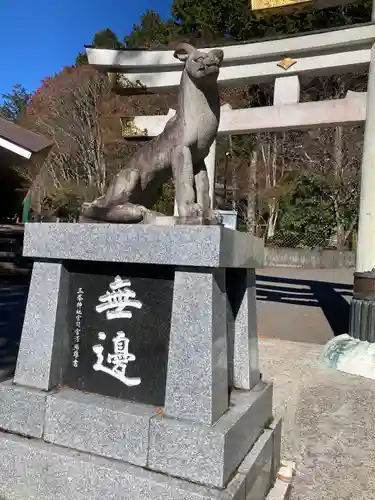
x: 182, y: 51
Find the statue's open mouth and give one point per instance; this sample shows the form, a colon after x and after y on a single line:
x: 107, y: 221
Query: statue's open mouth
x: 209, y: 69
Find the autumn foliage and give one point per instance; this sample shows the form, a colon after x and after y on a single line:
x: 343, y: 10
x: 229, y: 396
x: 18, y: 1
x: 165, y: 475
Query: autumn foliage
x: 78, y: 110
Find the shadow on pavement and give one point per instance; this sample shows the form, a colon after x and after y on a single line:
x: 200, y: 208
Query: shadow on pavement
x: 331, y: 298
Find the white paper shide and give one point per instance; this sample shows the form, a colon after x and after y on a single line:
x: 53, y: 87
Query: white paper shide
x: 117, y: 304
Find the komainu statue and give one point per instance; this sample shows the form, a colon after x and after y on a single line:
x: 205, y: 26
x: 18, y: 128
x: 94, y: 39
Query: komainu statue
x: 178, y: 152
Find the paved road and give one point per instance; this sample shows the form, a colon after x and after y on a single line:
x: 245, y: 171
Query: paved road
x: 303, y: 305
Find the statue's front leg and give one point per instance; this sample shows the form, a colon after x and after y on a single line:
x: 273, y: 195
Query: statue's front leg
x: 183, y: 173
x: 202, y: 187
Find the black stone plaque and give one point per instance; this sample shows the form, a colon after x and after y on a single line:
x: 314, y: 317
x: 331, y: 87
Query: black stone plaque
x: 119, y: 318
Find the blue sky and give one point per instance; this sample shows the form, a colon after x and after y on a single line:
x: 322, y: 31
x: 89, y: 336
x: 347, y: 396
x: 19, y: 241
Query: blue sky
x: 38, y: 38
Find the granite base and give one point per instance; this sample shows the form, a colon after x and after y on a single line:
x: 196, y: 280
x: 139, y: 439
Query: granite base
x: 33, y: 469
x: 22, y: 410
x: 99, y: 425
x: 211, y: 454
x: 210, y: 327
x: 136, y: 433
x: 214, y: 438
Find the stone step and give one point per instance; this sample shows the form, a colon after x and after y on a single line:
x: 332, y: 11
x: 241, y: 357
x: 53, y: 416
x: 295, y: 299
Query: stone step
x: 31, y: 468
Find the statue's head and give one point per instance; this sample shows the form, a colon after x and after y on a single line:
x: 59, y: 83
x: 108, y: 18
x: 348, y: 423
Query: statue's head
x: 200, y: 65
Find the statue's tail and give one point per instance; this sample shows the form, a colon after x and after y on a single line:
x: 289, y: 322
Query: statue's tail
x: 120, y: 214
x: 90, y: 213
x: 94, y: 211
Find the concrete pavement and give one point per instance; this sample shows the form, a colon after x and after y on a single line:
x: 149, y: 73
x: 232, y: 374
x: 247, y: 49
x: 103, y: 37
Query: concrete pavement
x: 329, y: 422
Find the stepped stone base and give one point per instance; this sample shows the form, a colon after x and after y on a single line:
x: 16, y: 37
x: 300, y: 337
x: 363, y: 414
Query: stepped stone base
x: 32, y: 469
x: 136, y: 434
x: 66, y: 430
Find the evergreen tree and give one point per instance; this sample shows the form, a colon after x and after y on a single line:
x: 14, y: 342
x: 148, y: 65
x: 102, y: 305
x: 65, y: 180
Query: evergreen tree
x: 152, y: 31
x: 15, y: 102
x: 105, y: 39
x: 235, y: 20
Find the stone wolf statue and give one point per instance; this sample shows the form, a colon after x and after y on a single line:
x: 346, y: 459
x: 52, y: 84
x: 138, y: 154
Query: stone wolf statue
x: 178, y: 152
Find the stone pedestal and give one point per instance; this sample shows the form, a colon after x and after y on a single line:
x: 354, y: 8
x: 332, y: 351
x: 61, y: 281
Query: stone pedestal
x: 137, y: 374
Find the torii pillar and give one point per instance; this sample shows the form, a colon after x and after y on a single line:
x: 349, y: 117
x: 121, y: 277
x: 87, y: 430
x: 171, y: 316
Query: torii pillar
x: 362, y: 310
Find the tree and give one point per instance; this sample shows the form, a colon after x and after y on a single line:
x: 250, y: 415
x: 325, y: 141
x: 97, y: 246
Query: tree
x: 15, y: 102
x: 331, y: 168
x: 235, y: 20
x: 79, y: 112
x: 81, y: 59
x: 105, y: 39
x: 152, y: 31
x: 332, y: 158
x: 69, y: 108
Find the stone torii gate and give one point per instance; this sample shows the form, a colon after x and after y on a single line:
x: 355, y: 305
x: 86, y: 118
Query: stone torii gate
x: 282, y: 61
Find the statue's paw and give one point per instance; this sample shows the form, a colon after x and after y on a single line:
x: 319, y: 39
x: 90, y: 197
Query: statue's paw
x: 85, y: 206
x: 85, y: 212
x: 143, y: 210
x: 196, y: 210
